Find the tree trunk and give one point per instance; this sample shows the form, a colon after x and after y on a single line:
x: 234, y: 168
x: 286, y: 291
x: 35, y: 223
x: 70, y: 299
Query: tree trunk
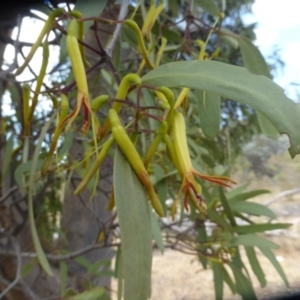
x: 80, y: 223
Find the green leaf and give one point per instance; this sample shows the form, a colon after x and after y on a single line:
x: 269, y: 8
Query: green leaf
x: 26, y: 168
x: 255, y: 265
x: 218, y: 280
x: 215, y: 217
x: 202, y: 238
x: 135, y: 225
x: 69, y: 137
x: 81, y: 260
x: 229, y: 281
x: 129, y: 37
x: 243, y: 285
x: 252, y: 240
x: 119, y: 272
x: 267, y: 128
x: 247, y: 195
x: 226, y: 35
x: 173, y: 6
x: 235, y: 192
x: 272, y: 258
x: 7, y: 155
x: 242, y: 217
x: 235, y: 83
x: 255, y: 63
x: 156, y: 231
x: 226, y: 206
x: 92, y: 294
x: 63, y: 53
x: 260, y: 227
x: 36, y: 242
x: 63, y: 268
x: 90, y: 8
x: 252, y: 58
x: 159, y: 173
x: 209, y: 112
x: 162, y: 191
x: 253, y: 208
x: 26, y: 269
x: 100, y: 267
x: 208, y: 6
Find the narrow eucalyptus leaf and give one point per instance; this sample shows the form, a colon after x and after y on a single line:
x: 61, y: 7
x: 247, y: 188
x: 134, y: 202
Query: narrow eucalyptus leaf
x: 135, y: 225
x: 253, y: 208
x: 156, y: 231
x: 228, y: 280
x: 7, y: 155
x: 208, y: 6
x: 120, y: 273
x: 242, y: 229
x: 255, y: 265
x: 226, y: 206
x: 267, y: 128
x: 252, y: 58
x: 92, y: 294
x: 68, y: 140
x: 209, y: 112
x: 272, y: 258
x: 24, y: 169
x: 235, y: 197
x: 243, y: 285
x: 218, y: 280
x: 255, y: 63
x: 63, y: 268
x: 236, y: 191
x: 88, y: 9
x: 36, y: 241
x: 235, y: 83
x: 252, y: 240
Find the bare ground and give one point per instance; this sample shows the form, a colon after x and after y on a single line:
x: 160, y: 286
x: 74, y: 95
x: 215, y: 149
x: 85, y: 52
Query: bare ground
x: 177, y: 276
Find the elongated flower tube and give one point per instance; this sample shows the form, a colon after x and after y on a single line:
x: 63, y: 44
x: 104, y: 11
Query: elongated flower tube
x: 40, y: 78
x: 135, y: 27
x: 47, y: 26
x: 147, y: 22
x: 78, y: 15
x: 169, y: 95
x: 186, y: 169
x: 151, y: 17
x: 121, y: 95
x: 80, y: 78
x: 134, y: 159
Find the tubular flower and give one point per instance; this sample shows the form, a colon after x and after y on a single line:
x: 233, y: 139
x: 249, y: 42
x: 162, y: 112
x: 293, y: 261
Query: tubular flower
x: 134, y: 159
x: 186, y: 169
x: 80, y: 78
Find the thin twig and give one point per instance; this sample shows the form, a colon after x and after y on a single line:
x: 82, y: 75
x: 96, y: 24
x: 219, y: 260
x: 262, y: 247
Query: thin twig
x: 52, y: 257
x: 122, y: 14
x: 29, y: 291
x: 9, y: 192
x: 17, y: 253
x: 281, y: 195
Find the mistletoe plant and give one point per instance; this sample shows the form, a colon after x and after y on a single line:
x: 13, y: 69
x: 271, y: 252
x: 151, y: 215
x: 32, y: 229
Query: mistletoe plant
x: 153, y: 146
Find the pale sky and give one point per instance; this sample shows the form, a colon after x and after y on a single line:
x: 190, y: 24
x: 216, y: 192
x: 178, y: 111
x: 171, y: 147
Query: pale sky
x: 279, y: 26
